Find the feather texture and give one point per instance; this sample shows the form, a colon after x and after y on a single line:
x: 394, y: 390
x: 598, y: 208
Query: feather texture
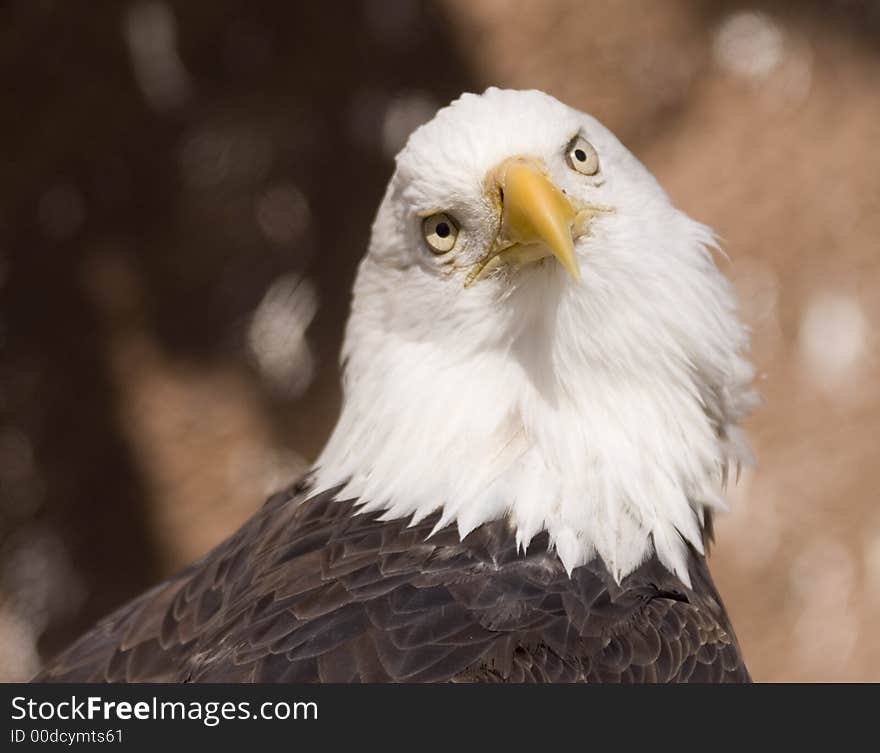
x: 311, y: 591
x: 603, y: 411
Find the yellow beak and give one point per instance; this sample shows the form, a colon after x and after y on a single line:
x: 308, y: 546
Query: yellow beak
x: 536, y: 218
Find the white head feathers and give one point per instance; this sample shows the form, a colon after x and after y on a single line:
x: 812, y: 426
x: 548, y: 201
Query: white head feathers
x: 602, y: 410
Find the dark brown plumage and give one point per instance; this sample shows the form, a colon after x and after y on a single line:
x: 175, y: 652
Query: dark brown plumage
x: 309, y: 591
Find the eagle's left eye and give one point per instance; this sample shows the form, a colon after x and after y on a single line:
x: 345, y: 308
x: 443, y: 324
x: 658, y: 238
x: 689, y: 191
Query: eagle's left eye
x: 582, y: 156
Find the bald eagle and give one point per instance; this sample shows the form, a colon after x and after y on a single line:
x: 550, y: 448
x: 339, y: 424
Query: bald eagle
x: 543, y: 376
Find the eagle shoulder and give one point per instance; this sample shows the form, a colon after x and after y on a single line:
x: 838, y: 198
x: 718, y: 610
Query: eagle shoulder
x: 309, y: 590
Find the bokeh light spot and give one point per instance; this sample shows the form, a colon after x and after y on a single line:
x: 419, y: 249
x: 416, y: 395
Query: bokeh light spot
x: 277, y: 335
x: 832, y: 339
x: 748, y: 44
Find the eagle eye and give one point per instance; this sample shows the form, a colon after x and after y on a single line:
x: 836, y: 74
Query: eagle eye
x: 440, y: 232
x: 582, y: 156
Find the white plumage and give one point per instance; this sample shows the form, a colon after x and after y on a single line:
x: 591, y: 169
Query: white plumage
x: 603, y: 410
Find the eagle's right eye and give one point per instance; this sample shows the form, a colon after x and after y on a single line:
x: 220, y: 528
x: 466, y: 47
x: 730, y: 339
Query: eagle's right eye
x: 440, y: 232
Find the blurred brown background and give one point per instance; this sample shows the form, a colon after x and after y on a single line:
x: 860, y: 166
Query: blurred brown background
x: 185, y: 190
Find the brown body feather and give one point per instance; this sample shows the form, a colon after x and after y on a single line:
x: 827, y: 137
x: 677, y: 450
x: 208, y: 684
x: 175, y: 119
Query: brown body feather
x: 310, y: 591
